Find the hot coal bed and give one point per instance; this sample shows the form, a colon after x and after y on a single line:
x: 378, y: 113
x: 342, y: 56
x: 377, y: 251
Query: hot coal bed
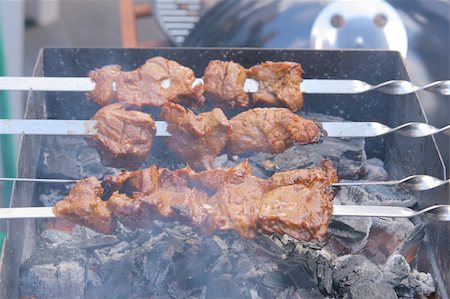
x: 360, y: 258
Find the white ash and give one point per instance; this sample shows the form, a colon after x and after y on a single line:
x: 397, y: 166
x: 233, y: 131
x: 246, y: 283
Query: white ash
x: 407, y: 282
x: 375, y: 170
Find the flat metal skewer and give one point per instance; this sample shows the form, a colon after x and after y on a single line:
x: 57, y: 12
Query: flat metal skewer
x: 437, y: 212
x: 333, y: 129
x: 320, y: 86
x: 411, y: 183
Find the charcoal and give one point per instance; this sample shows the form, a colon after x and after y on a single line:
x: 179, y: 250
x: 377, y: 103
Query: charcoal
x: 347, y: 155
x: 223, y: 286
x: 375, y: 290
x: 50, y: 194
x: 375, y: 170
x: 189, y: 272
x: 352, y: 270
x: 385, y: 236
x: 375, y: 195
x: 422, y: 283
x: 308, y: 269
x: 56, y: 237
x: 70, y: 157
x: 409, y: 246
x: 407, y: 282
x: 350, y: 229
x: 54, y: 273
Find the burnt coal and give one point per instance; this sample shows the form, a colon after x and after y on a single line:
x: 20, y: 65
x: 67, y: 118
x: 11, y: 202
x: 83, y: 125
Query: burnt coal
x: 407, y: 282
x: 54, y: 273
x: 354, y: 276
x: 350, y: 229
x: 347, y: 155
x: 375, y: 170
x: 70, y: 157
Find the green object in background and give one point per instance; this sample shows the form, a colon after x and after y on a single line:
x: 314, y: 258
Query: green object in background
x: 6, y: 141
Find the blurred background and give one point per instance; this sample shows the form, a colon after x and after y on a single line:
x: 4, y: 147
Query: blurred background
x: 418, y: 29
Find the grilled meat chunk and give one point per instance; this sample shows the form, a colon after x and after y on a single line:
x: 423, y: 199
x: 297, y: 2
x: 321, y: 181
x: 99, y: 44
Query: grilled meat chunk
x: 124, y: 138
x: 236, y: 207
x: 296, y: 210
x: 279, y: 84
x: 142, y: 181
x: 156, y: 82
x: 105, y: 78
x: 197, y: 139
x: 300, y: 204
x: 224, y: 82
x: 84, y: 206
x: 129, y: 211
x: 312, y: 177
x: 270, y: 130
x: 213, y: 179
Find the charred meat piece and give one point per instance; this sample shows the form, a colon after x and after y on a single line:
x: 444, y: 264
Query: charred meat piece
x: 279, y: 84
x: 84, y: 206
x: 131, y: 212
x: 236, y: 207
x: 296, y: 210
x: 156, y: 82
x: 224, y: 83
x: 297, y: 203
x: 213, y: 179
x: 300, y: 204
x: 196, y: 139
x: 104, y: 78
x: 124, y: 138
x: 324, y: 176
x: 270, y: 130
x: 143, y: 181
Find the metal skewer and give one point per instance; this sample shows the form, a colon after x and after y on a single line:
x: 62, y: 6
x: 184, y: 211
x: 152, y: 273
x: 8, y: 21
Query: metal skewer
x: 411, y: 183
x: 437, y: 212
x: 333, y: 129
x: 321, y: 86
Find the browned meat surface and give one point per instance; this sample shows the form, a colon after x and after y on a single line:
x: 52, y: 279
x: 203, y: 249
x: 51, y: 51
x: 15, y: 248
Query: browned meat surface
x: 270, y: 130
x: 236, y: 207
x: 131, y: 212
x: 124, y: 138
x: 212, y: 179
x: 279, y: 84
x: 324, y: 176
x: 84, y: 206
x: 196, y: 139
x: 224, y: 82
x: 297, y: 202
x: 143, y: 87
x: 301, y: 212
x: 300, y: 204
x: 104, y: 93
x: 143, y: 181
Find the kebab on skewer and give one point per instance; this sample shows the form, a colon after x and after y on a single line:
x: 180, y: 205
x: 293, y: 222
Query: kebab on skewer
x: 296, y: 202
x: 160, y: 80
x: 124, y: 138
x: 198, y: 139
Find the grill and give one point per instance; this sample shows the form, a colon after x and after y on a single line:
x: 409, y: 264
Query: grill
x: 174, y: 261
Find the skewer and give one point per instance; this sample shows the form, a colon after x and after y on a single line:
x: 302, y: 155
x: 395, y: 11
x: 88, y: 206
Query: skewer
x: 437, y: 212
x: 320, y: 86
x: 333, y: 129
x: 411, y: 183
